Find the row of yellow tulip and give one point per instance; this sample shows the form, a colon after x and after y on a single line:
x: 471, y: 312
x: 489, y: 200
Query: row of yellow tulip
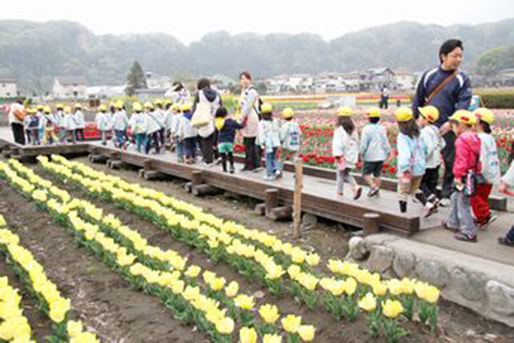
x: 398, y: 290
x: 104, y: 181
x: 271, y: 242
x: 54, y: 304
x: 269, y: 313
x: 14, y: 326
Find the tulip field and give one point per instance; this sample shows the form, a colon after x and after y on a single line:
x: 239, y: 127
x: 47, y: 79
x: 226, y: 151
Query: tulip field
x: 220, y: 280
x: 317, y: 130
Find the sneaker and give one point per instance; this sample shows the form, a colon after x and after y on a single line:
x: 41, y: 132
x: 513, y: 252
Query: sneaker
x: 444, y: 202
x: 505, y: 241
x: 232, y: 170
x: 357, y: 194
x: 465, y: 237
x: 420, y: 196
x: 269, y: 178
x: 278, y: 174
x: 488, y: 221
x: 445, y: 226
x: 430, y: 209
x: 373, y: 192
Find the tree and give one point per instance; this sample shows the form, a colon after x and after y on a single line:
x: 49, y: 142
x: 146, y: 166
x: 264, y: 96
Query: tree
x: 135, y: 79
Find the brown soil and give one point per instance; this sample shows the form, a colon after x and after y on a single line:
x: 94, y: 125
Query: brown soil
x: 104, y: 301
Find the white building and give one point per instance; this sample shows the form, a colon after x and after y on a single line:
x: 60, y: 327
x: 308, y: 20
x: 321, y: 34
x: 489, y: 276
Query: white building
x: 8, y: 88
x: 404, y: 79
x: 69, y: 87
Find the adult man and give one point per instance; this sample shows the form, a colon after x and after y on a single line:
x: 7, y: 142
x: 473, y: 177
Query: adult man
x: 16, y: 116
x: 448, y: 89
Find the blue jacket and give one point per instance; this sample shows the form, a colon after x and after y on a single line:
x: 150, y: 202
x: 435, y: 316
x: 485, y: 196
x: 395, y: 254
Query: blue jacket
x: 456, y: 95
x: 411, y: 155
x: 227, y: 134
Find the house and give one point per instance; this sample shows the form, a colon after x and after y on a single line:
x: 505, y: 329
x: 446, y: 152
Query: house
x: 8, y: 88
x: 404, y: 79
x: 69, y: 87
x: 506, y: 77
x: 378, y: 78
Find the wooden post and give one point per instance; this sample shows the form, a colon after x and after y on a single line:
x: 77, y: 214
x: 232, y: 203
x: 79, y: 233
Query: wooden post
x: 297, y: 198
x: 371, y: 223
x: 271, y: 200
x: 196, y: 178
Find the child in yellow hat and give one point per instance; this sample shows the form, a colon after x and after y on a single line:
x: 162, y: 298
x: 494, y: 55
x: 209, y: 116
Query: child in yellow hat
x: 290, y: 137
x: 411, y: 158
x: 490, y: 167
x: 345, y: 149
x: 433, y: 143
x: 466, y: 163
x: 374, y: 149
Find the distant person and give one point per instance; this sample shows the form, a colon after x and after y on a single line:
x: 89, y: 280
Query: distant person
x: 448, y: 89
x: 269, y: 136
x: 467, y: 160
x: 152, y: 129
x: 120, y: 125
x: 179, y: 94
x: 374, y: 149
x: 103, y: 123
x: 384, y: 97
x: 345, y: 149
x: 188, y: 134
x: 49, y: 127
x: 16, y: 117
x: 80, y: 123
x: 31, y: 124
x: 290, y: 137
x: 138, y: 125
x: 249, y: 102
x: 227, y: 133
x: 212, y: 100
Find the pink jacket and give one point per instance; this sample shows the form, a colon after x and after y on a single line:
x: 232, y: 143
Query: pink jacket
x: 467, y: 154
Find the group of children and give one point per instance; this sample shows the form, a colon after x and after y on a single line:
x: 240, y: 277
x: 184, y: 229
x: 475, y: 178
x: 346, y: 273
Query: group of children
x: 44, y: 127
x: 476, y: 167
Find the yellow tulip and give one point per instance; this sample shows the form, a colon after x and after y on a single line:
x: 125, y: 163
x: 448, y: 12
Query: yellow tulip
x: 306, y: 332
x: 395, y: 287
x: 269, y: 313
x: 293, y: 271
x: 225, y: 326
x: 269, y: 338
x: 274, y: 271
x: 85, y: 337
x: 298, y: 255
x: 14, y: 327
x: 193, y: 271
x: 232, y: 289
x: 244, y: 301
x: 391, y: 308
x: 291, y: 323
x: 407, y: 286
x: 308, y: 281
x: 218, y: 283
x: 247, y: 335
x: 74, y: 328
x: 368, y: 303
x: 313, y: 259
x: 379, y: 288
x: 350, y: 286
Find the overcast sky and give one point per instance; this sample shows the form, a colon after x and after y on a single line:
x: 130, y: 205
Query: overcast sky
x: 190, y: 20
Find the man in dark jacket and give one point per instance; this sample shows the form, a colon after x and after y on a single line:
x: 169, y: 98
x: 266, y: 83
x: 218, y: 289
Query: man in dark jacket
x: 448, y: 89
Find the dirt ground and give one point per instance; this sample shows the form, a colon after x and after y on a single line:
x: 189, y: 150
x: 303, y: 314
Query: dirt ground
x: 106, y: 304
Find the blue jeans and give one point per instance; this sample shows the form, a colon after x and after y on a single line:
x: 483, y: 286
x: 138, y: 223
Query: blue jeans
x: 460, y: 214
x: 271, y: 163
x: 140, y: 141
x: 120, y: 137
x: 179, y: 148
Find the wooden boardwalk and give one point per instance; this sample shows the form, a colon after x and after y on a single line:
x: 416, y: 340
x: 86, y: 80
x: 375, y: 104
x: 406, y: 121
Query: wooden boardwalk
x: 318, y: 197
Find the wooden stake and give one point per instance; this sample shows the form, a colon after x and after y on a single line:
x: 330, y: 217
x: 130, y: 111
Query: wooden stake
x: 297, y: 199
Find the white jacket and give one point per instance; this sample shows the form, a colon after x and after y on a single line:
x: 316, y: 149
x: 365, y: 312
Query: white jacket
x: 290, y: 135
x: 434, y: 143
x: 103, y: 121
x: 153, y: 122
x: 269, y: 134
x: 346, y: 146
x: 138, y: 123
x: 120, y: 121
x: 80, y: 123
